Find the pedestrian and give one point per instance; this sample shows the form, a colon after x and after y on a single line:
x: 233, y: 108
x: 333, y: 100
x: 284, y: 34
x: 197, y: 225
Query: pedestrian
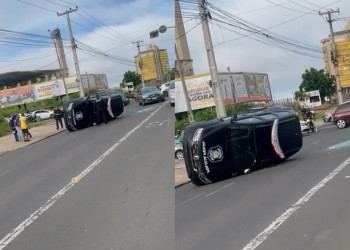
x: 58, y: 114
x: 17, y: 125
x: 100, y: 109
x: 24, y: 127
x: 12, y: 126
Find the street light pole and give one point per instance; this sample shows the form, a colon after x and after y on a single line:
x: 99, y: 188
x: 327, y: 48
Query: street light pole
x: 184, y: 87
x: 140, y: 60
x: 219, y: 104
x: 334, y: 57
x: 74, y: 46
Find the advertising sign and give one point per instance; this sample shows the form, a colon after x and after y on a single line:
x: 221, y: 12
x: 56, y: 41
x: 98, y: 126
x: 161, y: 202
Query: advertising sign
x: 149, y: 67
x: 199, y: 93
x: 247, y: 87
x: 17, y: 95
x: 49, y: 89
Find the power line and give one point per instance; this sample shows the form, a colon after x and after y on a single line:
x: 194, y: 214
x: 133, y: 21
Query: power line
x: 276, y: 25
x: 37, y: 6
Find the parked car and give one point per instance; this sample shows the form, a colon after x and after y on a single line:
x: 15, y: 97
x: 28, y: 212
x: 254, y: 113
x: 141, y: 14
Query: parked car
x: 172, y: 93
x: 79, y: 113
x: 164, y: 89
x: 179, y: 151
x: 341, y: 115
x: 150, y: 94
x: 40, y: 114
x: 126, y: 98
x: 218, y: 149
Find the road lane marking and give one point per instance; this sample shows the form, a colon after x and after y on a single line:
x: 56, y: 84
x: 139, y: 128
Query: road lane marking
x: 260, y: 238
x: 36, y: 214
x: 181, y: 203
x: 214, y: 192
x: 347, y: 176
x: 145, y: 110
x: 315, y: 142
x: 6, y: 172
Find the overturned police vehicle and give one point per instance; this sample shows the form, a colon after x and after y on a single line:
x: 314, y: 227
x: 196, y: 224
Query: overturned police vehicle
x: 81, y: 113
x: 217, y: 149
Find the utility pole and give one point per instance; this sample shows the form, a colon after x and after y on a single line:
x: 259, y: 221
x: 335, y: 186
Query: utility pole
x: 334, y: 57
x: 74, y: 46
x: 219, y: 104
x: 61, y: 69
x: 140, y: 61
x: 184, y: 87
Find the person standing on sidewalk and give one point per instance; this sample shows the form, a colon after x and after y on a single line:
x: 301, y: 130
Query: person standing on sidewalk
x: 17, y: 125
x: 58, y: 114
x: 12, y: 127
x: 100, y: 108
x: 24, y: 127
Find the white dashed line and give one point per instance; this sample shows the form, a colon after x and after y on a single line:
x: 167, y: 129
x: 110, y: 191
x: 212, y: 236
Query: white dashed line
x: 190, y: 199
x: 6, y: 172
x: 36, y: 214
x: 260, y: 238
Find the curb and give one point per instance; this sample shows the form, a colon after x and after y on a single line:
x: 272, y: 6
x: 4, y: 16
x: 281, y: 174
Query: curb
x: 182, y: 184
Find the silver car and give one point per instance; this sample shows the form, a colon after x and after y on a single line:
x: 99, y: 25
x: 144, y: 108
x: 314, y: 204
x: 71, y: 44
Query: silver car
x: 179, y: 151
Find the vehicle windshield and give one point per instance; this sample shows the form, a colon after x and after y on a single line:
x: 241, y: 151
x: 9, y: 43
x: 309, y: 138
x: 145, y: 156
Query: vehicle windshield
x: 172, y: 85
x: 148, y: 89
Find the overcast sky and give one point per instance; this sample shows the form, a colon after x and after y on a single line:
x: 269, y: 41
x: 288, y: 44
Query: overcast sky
x: 108, y: 25
x: 283, y: 67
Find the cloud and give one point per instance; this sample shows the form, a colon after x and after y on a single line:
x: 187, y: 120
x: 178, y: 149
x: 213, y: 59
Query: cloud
x: 283, y: 67
x: 123, y: 22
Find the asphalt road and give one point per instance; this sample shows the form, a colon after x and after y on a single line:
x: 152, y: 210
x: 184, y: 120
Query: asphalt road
x: 104, y: 187
x: 303, y: 203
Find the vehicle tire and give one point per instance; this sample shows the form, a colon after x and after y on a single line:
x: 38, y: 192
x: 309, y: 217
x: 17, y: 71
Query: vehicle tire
x: 165, y: 93
x: 179, y: 154
x: 52, y: 116
x: 341, y: 124
x: 38, y: 119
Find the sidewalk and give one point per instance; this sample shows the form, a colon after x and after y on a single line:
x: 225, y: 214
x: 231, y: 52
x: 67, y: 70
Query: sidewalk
x: 8, y: 143
x: 180, y: 168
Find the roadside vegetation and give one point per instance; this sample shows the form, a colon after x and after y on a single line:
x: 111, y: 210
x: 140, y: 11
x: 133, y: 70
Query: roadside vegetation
x: 42, y: 104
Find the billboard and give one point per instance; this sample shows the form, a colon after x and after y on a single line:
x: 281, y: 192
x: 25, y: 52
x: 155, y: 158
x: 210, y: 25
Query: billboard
x: 343, y: 54
x: 242, y: 86
x: 44, y: 90
x: 199, y: 93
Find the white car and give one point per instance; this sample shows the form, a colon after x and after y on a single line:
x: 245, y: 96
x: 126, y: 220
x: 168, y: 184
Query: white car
x: 42, y: 114
x: 164, y: 89
x: 172, y: 93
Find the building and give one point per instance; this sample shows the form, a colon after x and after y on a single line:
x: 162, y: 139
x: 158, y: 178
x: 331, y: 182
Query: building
x: 342, y: 43
x: 154, y: 63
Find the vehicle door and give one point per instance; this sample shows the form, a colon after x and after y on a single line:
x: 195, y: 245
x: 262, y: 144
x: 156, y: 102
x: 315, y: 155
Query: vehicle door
x: 242, y: 148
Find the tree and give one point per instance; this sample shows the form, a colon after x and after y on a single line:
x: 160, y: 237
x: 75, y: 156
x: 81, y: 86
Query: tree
x: 300, y: 95
x: 170, y: 75
x: 314, y: 79
x: 132, y: 76
x: 122, y: 85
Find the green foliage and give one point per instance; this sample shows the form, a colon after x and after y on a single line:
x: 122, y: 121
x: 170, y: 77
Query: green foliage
x: 314, y: 79
x: 170, y: 75
x: 122, y: 85
x: 132, y: 76
x: 300, y: 95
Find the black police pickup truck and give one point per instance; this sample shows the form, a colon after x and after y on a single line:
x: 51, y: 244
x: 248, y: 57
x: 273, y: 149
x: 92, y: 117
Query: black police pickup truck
x: 217, y: 149
x: 80, y: 113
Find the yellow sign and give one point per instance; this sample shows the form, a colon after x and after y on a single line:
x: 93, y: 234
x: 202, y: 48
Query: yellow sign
x: 343, y: 55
